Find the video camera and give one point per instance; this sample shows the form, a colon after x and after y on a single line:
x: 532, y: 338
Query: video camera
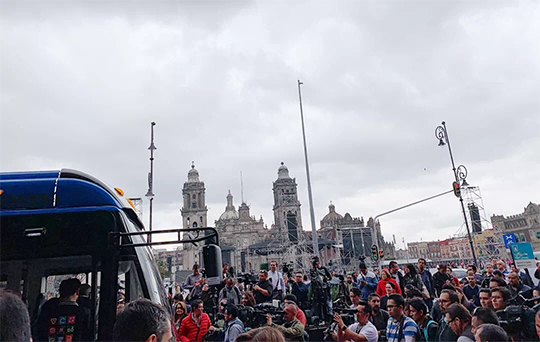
x: 255, y: 317
x: 247, y: 278
x: 519, y: 319
x: 288, y: 269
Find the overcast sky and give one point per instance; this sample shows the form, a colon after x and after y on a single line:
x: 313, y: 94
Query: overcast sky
x: 80, y: 83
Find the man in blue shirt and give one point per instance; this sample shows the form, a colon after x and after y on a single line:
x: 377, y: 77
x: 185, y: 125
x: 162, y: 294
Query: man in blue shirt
x: 367, y: 281
x: 427, y: 279
x: 300, y: 290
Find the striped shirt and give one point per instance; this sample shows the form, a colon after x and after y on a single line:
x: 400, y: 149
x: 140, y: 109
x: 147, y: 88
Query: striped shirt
x: 409, y: 329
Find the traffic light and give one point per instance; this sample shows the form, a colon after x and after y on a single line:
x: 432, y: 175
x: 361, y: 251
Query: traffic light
x: 457, y: 189
x: 381, y: 254
x: 374, y: 253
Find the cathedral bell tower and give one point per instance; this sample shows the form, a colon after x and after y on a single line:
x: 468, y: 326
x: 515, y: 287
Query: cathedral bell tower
x: 194, y: 213
x: 287, y: 215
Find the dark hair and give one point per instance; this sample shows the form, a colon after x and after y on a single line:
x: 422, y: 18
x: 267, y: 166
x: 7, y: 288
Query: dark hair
x: 367, y: 307
x: 412, y: 270
x: 424, y: 260
x: 356, y: 291
x: 391, y: 284
x: 473, y: 267
x: 69, y: 287
x: 419, y: 305
x: 448, y: 287
x: 250, y: 298
x: 263, y: 334
x: 486, y: 290
x: 232, y: 310
x: 398, y: 299
x: 373, y: 295
x: 486, y: 315
x: 14, y: 318
x: 414, y: 292
x: 499, y: 281
x: 443, y: 266
x: 139, y: 320
x: 454, y: 298
x: 498, y: 273
x: 492, y: 332
x: 362, y: 266
x: 299, y: 272
x: 459, y: 311
x: 195, y: 304
x: 291, y: 297
x: 179, y: 297
x: 84, y: 290
x: 392, y: 264
x: 506, y: 294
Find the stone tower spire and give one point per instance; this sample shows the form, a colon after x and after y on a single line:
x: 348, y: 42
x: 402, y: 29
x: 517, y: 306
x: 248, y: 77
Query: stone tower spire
x: 287, y: 214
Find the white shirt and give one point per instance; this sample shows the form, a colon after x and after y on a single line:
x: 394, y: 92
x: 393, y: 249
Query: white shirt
x: 369, y: 331
x: 276, y: 280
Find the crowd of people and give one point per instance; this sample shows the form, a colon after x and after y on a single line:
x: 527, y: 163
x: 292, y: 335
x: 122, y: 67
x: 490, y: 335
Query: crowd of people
x: 404, y: 304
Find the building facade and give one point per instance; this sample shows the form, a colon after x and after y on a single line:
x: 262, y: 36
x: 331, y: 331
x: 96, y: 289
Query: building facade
x: 287, y: 214
x: 525, y: 226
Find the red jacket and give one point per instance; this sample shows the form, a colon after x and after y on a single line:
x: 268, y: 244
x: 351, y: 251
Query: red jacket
x: 190, y: 332
x: 381, y: 290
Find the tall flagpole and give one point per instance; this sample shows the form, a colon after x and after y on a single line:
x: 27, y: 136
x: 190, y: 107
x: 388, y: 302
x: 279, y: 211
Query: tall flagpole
x: 311, y: 211
x: 150, y: 193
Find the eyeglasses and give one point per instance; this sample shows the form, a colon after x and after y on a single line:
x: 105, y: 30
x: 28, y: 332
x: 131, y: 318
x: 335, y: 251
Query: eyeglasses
x: 390, y: 306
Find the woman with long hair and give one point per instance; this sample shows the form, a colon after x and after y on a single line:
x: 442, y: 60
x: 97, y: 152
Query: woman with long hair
x: 412, y: 277
x: 247, y: 299
x: 386, y: 278
x: 180, y: 312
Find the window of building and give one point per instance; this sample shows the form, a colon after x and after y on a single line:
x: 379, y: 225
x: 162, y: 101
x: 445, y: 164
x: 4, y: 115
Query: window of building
x: 538, y: 235
x: 522, y: 237
x: 194, y: 197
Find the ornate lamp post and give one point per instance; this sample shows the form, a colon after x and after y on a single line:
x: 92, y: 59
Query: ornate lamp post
x: 150, y: 193
x: 460, y: 175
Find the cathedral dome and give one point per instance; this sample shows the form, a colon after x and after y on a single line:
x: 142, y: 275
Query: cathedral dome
x: 230, y: 212
x: 332, y: 215
x: 283, y: 172
x: 193, y: 174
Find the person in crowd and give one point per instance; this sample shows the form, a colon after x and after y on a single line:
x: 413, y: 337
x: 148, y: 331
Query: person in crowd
x: 459, y: 320
x: 413, y: 292
x: 84, y: 299
x: 471, y: 290
x: 390, y: 290
x: 14, y: 318
x: 248, y: 299
x: 291, y: 299
x: 500, y: 297
x: 300, y: 290
x: 386, y: 278
x: 349, y: 281
x: 487, y: 276
x: 361, y: 330
x: 378, y: 317
x: 523, y: 275
x: 412, y: 277
x: 491, y: 332
x: 455, y: 280
x: 396, y: 273
x: 477, y: 276
x: 262, y: 334
x: 481, y: 316
x: 367, y: 281
x: 292, y: 328
x: 516, y: 286
x: 196, y: 325
x: 57, y: 310
x: 446, y: 298
x: 427, y: 279
x: 485, y: 298
x: 180, y: 312
x: 234, y: 326
x: 463, y: 300
x: 501, y: 266
x: 496, y: 282
x: 537, y: 323
x: 276, y: 279
x: 196, y: 291
x: 400, y: 327
x: 440, y: 278
x: 418, y: 311
x: 230, y: 292
x: 142, y: 320
x: 263, y: 290
x: 356, y: 296
x: 192, y: 279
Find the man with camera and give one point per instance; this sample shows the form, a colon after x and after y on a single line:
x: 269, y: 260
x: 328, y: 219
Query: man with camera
x: 517, y: 321
x: 292, y: 328
x: 263, y: 289
x: 378, y: 317
x: 300, y: 290
x: 362, y: 330
x: 234, y: 325
x: 320, y: 290
x: 230, y: 292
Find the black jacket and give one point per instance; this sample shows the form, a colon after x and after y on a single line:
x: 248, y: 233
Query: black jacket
x: 439, y: 279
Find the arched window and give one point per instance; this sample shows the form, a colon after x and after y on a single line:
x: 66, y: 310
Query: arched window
x: 194, y: 224
x: 194, y: 196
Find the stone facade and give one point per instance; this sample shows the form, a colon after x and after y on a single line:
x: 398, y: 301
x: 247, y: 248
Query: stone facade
x: 287, y: 214
x: 526, y: 225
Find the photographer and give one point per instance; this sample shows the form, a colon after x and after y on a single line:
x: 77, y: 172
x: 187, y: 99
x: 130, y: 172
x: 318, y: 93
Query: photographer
x: 378, y: 317
x: 292, y: 329
x: 481, y: 316
x: 362, y: 330
x: 300, y: 290
x: 291, y: 299
x: 277, y: 281
x: 234, y: 326
x: 263, y: 290
x: 320, y: 290
x: 517, y: 321
x: 230, y: 292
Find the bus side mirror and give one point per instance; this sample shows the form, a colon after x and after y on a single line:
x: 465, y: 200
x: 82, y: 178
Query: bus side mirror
x: 212, y: 264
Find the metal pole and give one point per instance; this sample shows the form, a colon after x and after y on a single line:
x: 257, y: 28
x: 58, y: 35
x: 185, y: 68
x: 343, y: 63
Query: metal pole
x: 150, y: 193
x: 312, y: 213
x: 460, y: 197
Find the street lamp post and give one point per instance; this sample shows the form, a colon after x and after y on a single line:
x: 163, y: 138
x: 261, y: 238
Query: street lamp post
x: 460, y: 175
x: 150, y: 193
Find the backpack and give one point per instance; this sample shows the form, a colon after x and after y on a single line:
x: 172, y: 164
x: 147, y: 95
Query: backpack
x: 424, y: 331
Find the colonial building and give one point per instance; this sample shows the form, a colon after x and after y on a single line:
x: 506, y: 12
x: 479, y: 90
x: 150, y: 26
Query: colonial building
x: 287, y: 214
x: 194, y: 213
x: 525, y: 226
